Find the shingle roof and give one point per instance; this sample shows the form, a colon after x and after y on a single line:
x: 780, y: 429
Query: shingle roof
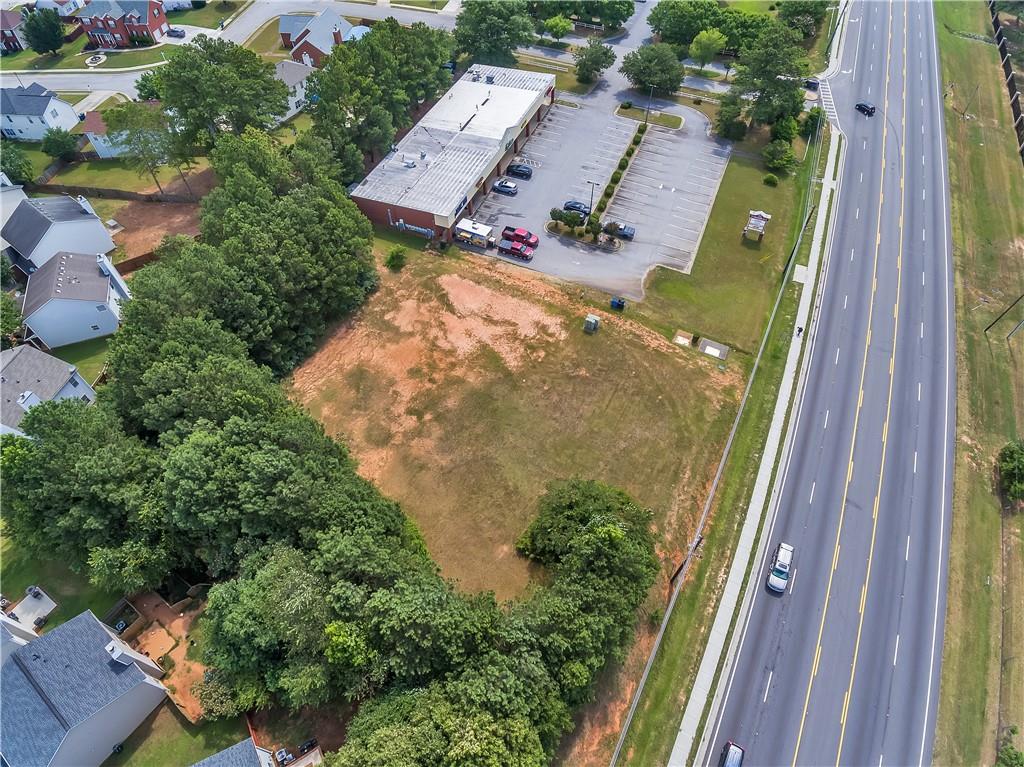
x: 33, y: 218
x: 291, y: 73
x: 93, y: 123
x: 25, y: 368
x: 292, y: 24
x: 320, y: 29
x: 31, y: 100
x: 56, y: 682
x: 239, y: 755
x: 115, y: 9
x: 71, y: 276
x: 10, y: 19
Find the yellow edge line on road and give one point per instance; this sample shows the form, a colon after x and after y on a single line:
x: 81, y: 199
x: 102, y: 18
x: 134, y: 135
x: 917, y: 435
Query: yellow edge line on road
x: 888, y: 406
x: 856, y: 418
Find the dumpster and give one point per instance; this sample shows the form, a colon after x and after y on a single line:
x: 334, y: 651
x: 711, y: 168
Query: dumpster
x: 618, y: 303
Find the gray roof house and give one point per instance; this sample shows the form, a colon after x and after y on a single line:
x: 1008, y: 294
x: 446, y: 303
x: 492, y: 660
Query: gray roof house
x: 244, y: 754
x: 28, y: 112
x: 312, y: 38
x: 28, y: 377
x: 11, y: 195
x: 13, y: 635
x: 71, y: 298
x: 293, y: 75
x: 71, y: 695
x: 41, y: 227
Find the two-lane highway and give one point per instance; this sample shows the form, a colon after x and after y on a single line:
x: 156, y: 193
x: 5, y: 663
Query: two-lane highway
x: 843, y: 668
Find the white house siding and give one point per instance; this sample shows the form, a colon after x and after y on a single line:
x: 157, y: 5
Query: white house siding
x: 58, y: 114
x: 92, y: 741
x: 64, y: 10
x: 76, y: 387
x: 87, y: 236
x: 60, y: 322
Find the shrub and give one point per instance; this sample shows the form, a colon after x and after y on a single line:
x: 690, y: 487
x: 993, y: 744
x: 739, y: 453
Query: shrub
x: 778, y: 156
x: 396, y: 259
x: 59, y: 144
x: 641, y: 129
x: 197, y: 4
x: 636, y: 140
x: 810, y: 123
x: 627, y: 104
x: 623, y: 163
x: 630, y: 150
x: 698, y: 101
x: 770, y: 179
x: 608, y: 191
x: 784, y: 130
x: 602, y: 205
x: 1011, y: 470
x: 616, y: 176
x: 556, y: 214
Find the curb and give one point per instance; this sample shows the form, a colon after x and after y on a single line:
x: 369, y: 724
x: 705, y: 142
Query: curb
x: 94, y: 70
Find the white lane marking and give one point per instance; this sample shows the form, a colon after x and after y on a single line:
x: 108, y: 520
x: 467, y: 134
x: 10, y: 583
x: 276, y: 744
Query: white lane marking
x: 765, y: 698
x: 923, y: 231
x: 862, y: 177
x: 826, y: 420
x: 922, y: 279
x: 845, y: 299
x: 857, y: 214
x: 811, y: 499
x: 851, y: 253
x: 871, y: 67
x: 906, y: 556
x: 897, y: 651
x: 837, y: 357
x: 792, y: 581
x: 922, y: 194
x: 922, y: 330
x: 915, y: 462
x: 918, y: 391
x: 869, y: 90
x: 880, y: 760
x: 865, y: 146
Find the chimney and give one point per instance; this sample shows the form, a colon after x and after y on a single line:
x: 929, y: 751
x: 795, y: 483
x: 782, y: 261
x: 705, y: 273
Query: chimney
x: 117, y: 653
x: 85, y: 205
x: 28, y: 400
x: 337, y: 35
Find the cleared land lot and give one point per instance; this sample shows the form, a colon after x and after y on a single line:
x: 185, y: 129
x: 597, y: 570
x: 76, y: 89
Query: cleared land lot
x: 464, y: 387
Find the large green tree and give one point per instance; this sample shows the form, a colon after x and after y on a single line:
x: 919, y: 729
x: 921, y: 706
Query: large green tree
x: 706, y: 45
x: 14, y: 163
x: 491, y: 30
x: 144, y: 132
x: 213, y: 85
x: 1011, y: 470
x: 557, y: 26
x: 770, y: 75
x: 10, y: 318
x: 60, y: 144
x: 592, y: 59
x: 653, y: 66
x: 679, y: 21
x: 44, y: 31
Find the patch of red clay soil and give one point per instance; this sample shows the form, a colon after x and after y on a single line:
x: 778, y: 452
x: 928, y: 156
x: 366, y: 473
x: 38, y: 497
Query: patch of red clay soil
x: 147, y: 223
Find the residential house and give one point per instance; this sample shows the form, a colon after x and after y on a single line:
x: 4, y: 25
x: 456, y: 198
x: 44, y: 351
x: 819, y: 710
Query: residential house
x: 12, y: 34
x: 74, y: 694
x: 243, y: 754
x: 62, y: 7
x: 123, y: 23
x: 11, y: 196
x: 293, y: 75
x: 312, y: 38
x: 13, y: 634
x: 31, y: 111
x: 71, y: 298
x: 41, y: 227
x: 95, y: 129
x: 28, y: 377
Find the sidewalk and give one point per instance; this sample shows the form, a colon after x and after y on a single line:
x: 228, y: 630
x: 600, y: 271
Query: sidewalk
x: 704, y: 684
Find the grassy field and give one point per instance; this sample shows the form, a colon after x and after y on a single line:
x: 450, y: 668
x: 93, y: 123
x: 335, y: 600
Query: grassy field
x: 464, y: 387
x: 72, y: 97
x: 89, y: 356
x: 428, y: 5
x: 729, y: 293
x: 72, y: 592
x: 73, y: 56
x: 289, y: 132
x: 167, y: 737
x: 664, y: 120
x: 565, y: 74
x: 266, y: 42
x: 209, y: 16
x: 983, y: 659
x: 115, y: 174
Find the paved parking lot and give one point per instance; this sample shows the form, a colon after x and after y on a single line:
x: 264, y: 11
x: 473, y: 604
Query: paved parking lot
x: 666, y: 193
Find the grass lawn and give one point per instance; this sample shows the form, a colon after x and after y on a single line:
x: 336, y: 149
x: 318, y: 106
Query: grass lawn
x: 983, y: 657
x: 565, y: 73
x: 729, y: 293
x: 115, y: 174
x: 463, y: 387
x: 289, y: 132
x: 431, y: 5
x: 658, y: 118
x: 72, y: 592
x: 89, y: 356
x: 267, y: 42
x: 167, y: 737
x: 73, y: 56
x: 33, y: 151
x: 72, y: 97
x: 753, y: 6
x: 209, y: 16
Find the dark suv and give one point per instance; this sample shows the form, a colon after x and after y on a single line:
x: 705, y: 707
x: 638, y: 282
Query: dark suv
x: 519, y: 170
x: 866, y: 109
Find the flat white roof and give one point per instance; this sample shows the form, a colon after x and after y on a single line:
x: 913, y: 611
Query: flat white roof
x: 440, y: 161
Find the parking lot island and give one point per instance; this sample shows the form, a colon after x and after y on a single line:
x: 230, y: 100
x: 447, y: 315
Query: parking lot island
x: 442, y: 169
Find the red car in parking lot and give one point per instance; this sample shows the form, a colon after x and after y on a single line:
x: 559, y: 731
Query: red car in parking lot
x: 524, y: 236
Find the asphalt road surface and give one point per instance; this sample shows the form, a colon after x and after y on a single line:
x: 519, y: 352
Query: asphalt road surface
x: 844, y: 667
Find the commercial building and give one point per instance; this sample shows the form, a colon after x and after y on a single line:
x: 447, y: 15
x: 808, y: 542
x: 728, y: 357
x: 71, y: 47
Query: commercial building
x: 441, y: 170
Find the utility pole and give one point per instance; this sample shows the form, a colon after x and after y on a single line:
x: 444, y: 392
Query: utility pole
x: 593, y: 186
x: 650, y: 98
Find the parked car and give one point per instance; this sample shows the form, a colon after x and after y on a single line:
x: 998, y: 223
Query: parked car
x: 519, y: 170
x: 778, y: 577
x: 866, y: 109
x: 577, y: 207
x: 175, y: 32
x: 516, y: 250
x: 308, y: 746
x: 622, y: 231
x: 524, y: 236
x: 732, y: 756
x: 504, y: 186
x: 812, y: 84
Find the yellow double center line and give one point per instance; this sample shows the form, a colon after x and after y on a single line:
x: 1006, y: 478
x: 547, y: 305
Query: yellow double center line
x: 856, y: 419
x: 888, y: 404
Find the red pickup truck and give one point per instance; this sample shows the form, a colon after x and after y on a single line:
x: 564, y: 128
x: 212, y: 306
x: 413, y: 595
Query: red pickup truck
x: 524, y: 236
x: 516, y: 250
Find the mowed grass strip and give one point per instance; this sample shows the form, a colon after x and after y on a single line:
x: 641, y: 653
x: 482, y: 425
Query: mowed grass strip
x: 987, y: 206
x: 89, y: 356
x: 564, y: 72
x: 115, y: 174
x: 208, y: 16
x: 266, y: 42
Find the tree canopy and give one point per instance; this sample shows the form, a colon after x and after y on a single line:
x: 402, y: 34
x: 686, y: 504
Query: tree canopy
x: 44, y: 31
x: 653, y: 66
x: 491, y: 30
x: 706, y: 45
x: 14, y: 163
x: 592, y: 59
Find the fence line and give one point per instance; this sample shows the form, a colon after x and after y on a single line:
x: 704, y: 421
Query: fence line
x: 1011, y: 79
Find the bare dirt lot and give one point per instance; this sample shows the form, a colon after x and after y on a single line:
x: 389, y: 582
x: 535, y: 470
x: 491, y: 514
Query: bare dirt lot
x: 464, y: 386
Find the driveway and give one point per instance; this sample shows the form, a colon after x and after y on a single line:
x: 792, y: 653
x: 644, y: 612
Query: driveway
x: 668, y: 191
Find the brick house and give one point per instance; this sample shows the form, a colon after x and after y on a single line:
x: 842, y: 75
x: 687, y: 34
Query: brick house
x: 119, y: 23
x: 12, y: 38
x: 312, y: 38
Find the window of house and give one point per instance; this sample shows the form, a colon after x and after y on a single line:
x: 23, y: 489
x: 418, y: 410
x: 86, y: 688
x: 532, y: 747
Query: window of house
x: 112, y: 24
x: 101, y: 308
x: 117, y: 36
x: 9, y: 132
x: 53, y: 113
x: 156, y: 12
x: 74, y: 382
x: 85, y: 399
x: 95, y: 327
x: 29, y: 120
x: 9, y: 119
